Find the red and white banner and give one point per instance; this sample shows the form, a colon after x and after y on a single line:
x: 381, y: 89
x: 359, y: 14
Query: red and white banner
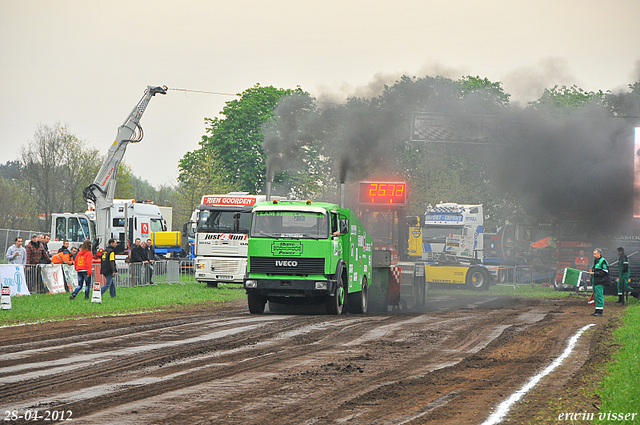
x: 53, y: 278
x: 229, y: 201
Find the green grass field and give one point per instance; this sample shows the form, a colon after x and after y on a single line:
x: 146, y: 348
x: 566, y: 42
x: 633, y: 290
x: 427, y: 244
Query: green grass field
x: 619, y: 388
x: 42, y: 307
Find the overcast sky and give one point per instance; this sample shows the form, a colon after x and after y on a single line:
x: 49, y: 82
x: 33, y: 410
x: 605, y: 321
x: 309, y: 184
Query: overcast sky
x: 87, y: 63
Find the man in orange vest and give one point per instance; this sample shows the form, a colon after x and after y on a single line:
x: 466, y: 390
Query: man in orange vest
x: 63, y: 257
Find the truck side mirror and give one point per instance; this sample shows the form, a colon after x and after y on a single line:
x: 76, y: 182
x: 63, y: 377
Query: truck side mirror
x: 344, y: 226
x: 184, y: 229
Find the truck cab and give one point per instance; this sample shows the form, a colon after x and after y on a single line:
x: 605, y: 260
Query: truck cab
x: 128, y: 220
x: 303, y: 252
x: 453, y: 231
x: 72, y: 227
x: 221, y: 233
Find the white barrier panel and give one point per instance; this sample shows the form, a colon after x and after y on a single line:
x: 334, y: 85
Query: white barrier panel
x: 13, y: 276
x: 5, y: 299
x: 70, y: 276
x: 96, y: 295
x: 53, y: 278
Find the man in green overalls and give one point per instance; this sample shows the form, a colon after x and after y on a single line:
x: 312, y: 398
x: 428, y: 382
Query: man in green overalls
x: 599, y: 279
x: 625, y: 275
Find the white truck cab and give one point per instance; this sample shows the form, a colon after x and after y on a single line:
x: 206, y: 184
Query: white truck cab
x: 128, y: 220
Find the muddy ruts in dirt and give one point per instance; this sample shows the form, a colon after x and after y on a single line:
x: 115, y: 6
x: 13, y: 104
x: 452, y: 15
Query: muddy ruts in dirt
x: 438, y: 366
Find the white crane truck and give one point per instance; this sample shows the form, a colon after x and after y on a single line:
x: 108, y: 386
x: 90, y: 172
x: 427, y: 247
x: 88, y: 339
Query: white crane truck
x: 124, y: 220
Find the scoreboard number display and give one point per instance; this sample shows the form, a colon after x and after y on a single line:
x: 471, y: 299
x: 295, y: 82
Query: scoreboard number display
x: 383, y: 193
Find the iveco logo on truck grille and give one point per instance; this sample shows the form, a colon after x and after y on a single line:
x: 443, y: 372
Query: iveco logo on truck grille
x: 286, y: 263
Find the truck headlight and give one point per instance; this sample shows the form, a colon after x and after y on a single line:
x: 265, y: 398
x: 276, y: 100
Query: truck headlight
x: 321, y: 285
x: 250, y: 283
x: 200, y: 266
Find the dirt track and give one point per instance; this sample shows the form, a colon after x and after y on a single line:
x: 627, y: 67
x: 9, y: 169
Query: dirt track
x: 449, y: 364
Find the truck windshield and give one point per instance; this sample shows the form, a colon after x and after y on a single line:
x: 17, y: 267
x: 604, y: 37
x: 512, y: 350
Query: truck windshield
x: 290, y: 224
x: 211, y: 221
x: 439, y: 233
x: 156, y: 225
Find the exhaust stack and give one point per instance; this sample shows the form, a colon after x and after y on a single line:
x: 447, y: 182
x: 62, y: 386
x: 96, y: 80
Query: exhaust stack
x: 268, y: 191
x: 341, y: 195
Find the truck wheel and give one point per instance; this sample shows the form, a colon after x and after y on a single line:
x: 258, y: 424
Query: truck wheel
x: 502, y: 275
x: 477, y: 279
x: 335, y: 303
x: 358, y: 302
x: 256, y: 303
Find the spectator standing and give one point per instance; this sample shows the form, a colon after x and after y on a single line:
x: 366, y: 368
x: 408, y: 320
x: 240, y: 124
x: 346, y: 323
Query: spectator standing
x: 84, y: 266
x: 145, y: 261
x: 624, y: 276
x: 599, y: 279
x: 35, y: 252
x: 65, y: 246
x: 74, y: 252
x: 108, y: 267
x: 151, y: 257
x: 581, y: 262
x: 43, y: 243
x: 35, y: 255
x: 137, y: 259
x: 17, y: 254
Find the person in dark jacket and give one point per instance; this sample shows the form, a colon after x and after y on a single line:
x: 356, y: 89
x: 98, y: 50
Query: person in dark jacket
x: 137, y: 258
x: 151, y: 257
x: 64, y: 247
x: 108, y: 267
x: 624, y: 276
x: 599, y: 279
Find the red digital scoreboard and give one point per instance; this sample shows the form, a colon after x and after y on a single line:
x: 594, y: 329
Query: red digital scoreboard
x: 383, y: 193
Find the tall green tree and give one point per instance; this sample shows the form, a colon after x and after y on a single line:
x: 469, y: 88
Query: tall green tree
x: 438, y: 171
x: 201, y: 172
x: 124, y: 185
x: 18, y: 210
x: 563, y: 100
x: 625, y: 104
x: 56, y: 167
x: 238, y: 136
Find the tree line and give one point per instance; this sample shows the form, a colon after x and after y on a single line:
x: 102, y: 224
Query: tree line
x: 306, y: 148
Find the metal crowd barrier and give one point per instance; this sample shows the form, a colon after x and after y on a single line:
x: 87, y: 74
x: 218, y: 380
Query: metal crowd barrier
x: 187, y: 269
x: 128, y: 275
x: 33, y: 276
x: 517, y: 276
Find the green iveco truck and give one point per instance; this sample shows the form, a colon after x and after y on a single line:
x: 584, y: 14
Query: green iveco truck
x: 311, y: 252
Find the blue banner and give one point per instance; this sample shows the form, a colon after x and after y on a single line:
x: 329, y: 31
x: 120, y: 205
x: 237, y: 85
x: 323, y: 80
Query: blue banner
x: 443, y: 217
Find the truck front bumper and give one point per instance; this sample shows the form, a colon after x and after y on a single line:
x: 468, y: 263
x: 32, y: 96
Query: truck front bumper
x: 290, y: 288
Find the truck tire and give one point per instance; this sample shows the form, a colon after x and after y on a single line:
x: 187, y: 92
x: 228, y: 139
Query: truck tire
x: 358, y: 302
x: 477, y: 279
x: 502, y: 275
x: 256, y: 303
x: 335, y: 303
